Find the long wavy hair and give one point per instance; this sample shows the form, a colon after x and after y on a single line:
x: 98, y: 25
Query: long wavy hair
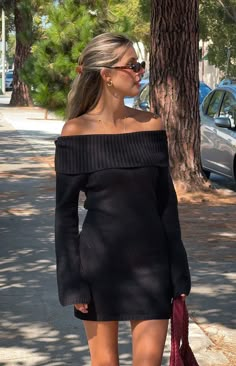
x: 87, y: 87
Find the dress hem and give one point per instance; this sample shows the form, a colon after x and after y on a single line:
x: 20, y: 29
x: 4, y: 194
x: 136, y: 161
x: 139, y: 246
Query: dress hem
x: 120, y: 317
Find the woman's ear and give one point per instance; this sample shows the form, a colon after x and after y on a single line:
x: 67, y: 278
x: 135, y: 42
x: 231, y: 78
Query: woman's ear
x: 105, y: 75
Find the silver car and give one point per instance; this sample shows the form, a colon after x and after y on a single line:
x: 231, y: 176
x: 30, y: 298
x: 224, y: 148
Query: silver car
x: 218, y: 132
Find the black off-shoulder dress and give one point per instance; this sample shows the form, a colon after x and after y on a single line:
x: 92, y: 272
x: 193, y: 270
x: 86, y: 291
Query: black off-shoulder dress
x: 128, y: 262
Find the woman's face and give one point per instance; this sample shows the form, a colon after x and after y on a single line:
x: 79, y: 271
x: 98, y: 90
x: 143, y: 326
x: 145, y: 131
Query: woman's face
x: 126, y: 82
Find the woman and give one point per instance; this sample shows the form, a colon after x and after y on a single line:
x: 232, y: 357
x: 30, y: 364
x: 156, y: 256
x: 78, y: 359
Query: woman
x: 129, y: 261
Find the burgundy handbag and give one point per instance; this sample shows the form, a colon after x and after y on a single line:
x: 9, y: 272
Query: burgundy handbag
x: 181, y: 355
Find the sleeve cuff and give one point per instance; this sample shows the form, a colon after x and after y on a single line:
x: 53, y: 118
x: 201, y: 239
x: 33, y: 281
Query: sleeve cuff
x: 80, y: 295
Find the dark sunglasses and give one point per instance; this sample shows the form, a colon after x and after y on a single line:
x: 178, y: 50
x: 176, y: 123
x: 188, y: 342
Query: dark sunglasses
x: 134, y: 67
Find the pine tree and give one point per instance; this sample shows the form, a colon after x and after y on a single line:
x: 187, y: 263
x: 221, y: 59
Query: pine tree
x: 217, y: 25
x: 51, y: 68
x: 132, y: 18
x: 174, y: 82
x: 22, y: 12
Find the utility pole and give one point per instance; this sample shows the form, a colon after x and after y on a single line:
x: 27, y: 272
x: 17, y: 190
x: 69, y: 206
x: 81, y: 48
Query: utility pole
x: 3, y: 53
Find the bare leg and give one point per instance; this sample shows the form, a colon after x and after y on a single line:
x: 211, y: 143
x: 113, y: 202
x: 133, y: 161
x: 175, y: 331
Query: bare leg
x: 149, y: 338
x: 103, y: 342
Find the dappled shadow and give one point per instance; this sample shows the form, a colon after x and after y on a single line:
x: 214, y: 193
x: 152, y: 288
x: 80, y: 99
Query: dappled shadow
x: 36, y: 329
x: 210, y: 239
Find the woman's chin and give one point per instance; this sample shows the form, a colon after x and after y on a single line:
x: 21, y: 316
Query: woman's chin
x: 133, y: 93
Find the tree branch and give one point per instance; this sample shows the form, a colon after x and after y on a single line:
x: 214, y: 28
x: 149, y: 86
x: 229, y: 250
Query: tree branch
x: 232, y: 15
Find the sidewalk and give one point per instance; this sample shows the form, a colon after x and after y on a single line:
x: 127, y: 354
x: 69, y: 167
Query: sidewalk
x: 35, y: 329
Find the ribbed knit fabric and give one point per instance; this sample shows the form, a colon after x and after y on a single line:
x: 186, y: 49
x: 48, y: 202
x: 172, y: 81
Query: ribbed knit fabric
x: 87, y: 153
x: 129, y: 261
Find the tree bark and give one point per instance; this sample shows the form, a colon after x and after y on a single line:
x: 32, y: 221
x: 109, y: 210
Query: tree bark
x: 23, y: 27
x: 174, y: 82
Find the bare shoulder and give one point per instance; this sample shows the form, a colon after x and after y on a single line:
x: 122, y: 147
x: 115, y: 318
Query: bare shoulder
x: 73, y: 127
x: 150, y: 120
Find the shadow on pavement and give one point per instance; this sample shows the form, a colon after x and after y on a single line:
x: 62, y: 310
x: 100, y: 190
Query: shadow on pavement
x: 35, y: 329
x: 210, y: 240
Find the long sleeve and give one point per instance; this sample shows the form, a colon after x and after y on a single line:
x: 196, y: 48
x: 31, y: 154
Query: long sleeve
x: 71, y: 286
x: 168, y: 208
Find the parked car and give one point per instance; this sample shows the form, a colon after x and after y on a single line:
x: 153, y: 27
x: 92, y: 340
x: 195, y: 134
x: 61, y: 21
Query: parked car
x: 204, y: 90
x: 218, y: 128
x: 227, y: 81
x: 142, y: 100
x: 9, y: 80
x: 218, y: 132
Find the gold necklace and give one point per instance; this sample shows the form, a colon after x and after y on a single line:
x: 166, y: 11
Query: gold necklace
x: 123, y: 119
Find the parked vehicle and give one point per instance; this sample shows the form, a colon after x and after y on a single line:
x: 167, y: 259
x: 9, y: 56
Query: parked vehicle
x: 218, y: 127
x: 142, y: 100
x: 204, y: 90
x: 227, y: 81
x: 9, y: 80
x: 218, y: 132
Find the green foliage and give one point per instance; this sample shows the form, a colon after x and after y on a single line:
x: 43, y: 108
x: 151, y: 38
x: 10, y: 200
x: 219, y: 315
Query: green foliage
x: 35, y: 9
x: 11, y: 43
x: 145, y: 7
x: 51, y: 68
x: 217, y: 25
x: 70, y: 25
x: 9, y: 18
x: 132, y: 18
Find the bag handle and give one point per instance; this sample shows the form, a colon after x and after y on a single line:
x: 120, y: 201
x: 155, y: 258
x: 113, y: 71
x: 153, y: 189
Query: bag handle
x: 185, y: 333
x: 179, y: 330
x: 183, y: 355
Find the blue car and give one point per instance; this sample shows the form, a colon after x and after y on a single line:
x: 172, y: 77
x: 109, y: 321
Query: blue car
x: 142, y: 100
x: 229, y: 81
x: 9, y: 80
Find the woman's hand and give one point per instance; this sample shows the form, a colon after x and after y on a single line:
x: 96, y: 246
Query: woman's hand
x: 183, y: 297
x: 82, y: 307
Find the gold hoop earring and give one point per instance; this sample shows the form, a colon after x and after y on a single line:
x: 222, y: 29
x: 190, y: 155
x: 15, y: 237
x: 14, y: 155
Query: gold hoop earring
x: 109, y: 83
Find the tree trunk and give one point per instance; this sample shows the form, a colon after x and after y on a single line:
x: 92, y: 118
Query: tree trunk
x: 23, y: 27
x: 174, y: 84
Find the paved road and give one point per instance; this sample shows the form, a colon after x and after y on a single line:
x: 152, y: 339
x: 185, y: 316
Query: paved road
x: 35, y: 329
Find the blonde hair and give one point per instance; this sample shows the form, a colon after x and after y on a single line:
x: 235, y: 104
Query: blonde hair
x: 87, y: 87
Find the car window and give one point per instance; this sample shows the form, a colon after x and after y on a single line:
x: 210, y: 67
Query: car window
x: 214, y: 105
x: 206, y: 102
x: 228, y: 108
x: 203, y: 91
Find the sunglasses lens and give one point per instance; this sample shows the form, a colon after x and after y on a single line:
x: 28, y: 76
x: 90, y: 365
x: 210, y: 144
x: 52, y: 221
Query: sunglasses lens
x: 138, y: 66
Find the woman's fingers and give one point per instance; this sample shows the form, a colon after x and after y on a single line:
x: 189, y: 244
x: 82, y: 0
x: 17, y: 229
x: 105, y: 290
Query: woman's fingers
x: 82, y: 307
x: 183, y: 296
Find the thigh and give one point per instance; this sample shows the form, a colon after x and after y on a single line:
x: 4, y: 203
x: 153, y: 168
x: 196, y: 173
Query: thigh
x: 148, y: 337
x: 103, y: 342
